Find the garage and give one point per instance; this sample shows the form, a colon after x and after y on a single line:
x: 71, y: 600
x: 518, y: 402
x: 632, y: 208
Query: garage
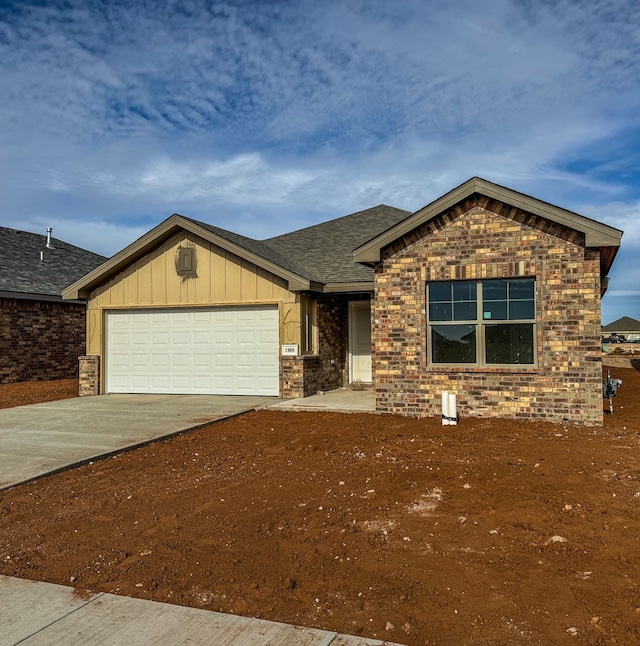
x: 200, y: 350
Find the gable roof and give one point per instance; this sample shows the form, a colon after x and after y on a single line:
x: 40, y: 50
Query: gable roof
x: 249, y: 249
x: 308, y: 259
x: 326, y: 249
x: 596, y: 234
x: 24, y: 275
x: 624, y: 324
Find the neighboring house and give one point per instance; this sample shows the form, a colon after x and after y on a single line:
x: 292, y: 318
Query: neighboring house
x: 624, y: 326
x: 40, y: 334
x: 485, y: 292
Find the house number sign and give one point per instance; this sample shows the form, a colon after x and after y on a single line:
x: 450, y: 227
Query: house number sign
x: 289, y: 350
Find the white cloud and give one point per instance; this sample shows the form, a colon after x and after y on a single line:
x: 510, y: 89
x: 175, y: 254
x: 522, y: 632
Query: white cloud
x: 265, y: 117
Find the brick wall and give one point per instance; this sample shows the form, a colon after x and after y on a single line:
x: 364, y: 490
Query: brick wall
x: 299, y: 376
x: 40, y: 339
x: 482, y: 239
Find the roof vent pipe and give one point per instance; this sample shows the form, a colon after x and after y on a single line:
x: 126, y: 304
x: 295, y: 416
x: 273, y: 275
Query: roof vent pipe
x: 49, y: 230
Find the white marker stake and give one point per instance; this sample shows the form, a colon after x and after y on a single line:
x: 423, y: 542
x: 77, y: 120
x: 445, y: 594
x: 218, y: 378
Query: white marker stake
x: 453, y: 409
x: 445, y: 408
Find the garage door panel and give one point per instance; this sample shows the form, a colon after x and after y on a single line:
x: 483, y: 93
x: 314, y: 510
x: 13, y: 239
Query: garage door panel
x: 120, y: 338
x: 267, y: 360
x: 180, y: 338
x: 140, y: 381
x: 223, y: 360
x: 245, y: 361
x: 139, y: 360
x: 179, y: 360
x: 140, y: 338
x: 230, y: 350
x: 159, y: 360
x: 202, y: 337
x: 160, y: 338
x: 201, y: 360
x: 223, y: 315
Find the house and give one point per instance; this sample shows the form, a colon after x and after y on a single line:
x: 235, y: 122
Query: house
x: 622, y: 326
x: 485, y: 292
x: 40, y: 334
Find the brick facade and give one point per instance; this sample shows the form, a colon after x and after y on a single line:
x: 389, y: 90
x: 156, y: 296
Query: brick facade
x: 480, y: 239
x: 89, y: 379
x: 40, y: 340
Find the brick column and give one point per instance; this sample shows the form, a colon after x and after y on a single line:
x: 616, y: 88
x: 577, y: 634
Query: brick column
x: 299, y: 376
x: 89, y: 375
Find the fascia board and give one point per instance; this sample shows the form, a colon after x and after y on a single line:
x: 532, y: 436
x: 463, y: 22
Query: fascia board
x: 338, y: 288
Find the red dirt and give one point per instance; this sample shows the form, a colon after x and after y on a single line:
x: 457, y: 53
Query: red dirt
x: 35, y: 392
x: 377, y: 525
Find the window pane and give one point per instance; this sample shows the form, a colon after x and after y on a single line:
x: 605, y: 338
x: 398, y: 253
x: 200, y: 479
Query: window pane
x: 496, y: 310
x: 494, y: 290
x: 521, y: 289
x: 439, y: 292
x: 465, y: 311
x: 440, y: 311
x: 509, y: 343
x: 453, y: 343
x: 464, y: 291
x: 521, y: 310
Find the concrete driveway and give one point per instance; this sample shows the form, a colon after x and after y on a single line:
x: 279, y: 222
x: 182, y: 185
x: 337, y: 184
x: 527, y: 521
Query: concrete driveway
x: 43, y: 438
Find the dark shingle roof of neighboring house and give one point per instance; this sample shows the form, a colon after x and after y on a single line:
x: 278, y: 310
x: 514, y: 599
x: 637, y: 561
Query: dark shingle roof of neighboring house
x: 624, y: 324
x: 326, y: 249
x: 22, y: 272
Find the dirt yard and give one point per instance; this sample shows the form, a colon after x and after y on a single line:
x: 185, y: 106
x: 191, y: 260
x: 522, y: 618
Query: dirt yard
x: 34, y: 392
x: 485, y: 533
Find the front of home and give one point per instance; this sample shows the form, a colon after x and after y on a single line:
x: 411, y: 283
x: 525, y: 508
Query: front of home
x: 485, y: 292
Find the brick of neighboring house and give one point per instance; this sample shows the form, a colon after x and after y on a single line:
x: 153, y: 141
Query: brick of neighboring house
x: 481, y: 239
x: 40, y: 340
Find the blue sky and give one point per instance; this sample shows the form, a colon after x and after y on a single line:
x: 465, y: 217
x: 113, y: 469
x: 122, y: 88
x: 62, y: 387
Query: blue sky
x: 264, y: 117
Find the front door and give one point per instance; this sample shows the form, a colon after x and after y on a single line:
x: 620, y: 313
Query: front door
x: 360, y: 341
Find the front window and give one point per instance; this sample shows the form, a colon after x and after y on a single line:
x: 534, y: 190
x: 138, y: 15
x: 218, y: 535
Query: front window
x: 482, y: 323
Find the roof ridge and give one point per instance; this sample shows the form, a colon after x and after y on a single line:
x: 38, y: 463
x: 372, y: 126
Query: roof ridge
x: 334, y: 220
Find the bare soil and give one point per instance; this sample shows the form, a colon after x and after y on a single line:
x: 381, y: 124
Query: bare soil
x: 490, y: 532
x: 35, y: 392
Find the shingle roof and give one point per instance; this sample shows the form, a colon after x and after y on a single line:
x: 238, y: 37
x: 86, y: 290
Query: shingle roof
x: 624, y: 324
x: 326, y: 250
x: 259, y: 247
x: 22, y: 271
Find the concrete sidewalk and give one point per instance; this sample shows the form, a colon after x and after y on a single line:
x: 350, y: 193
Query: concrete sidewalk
x: 342, y: 400
x: 38, y: 614
x: 39, y: 439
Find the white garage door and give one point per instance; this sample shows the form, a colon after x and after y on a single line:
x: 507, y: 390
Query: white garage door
x: 221, y: 351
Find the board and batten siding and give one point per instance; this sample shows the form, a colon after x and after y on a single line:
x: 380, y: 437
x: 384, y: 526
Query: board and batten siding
x: 221, y: 278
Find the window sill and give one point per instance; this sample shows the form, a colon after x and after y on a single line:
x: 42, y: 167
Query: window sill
x: 508, y: 370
